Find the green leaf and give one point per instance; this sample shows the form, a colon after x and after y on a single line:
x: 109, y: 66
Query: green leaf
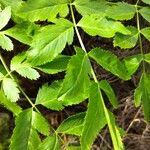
x: 23, y: 68
x: 73, y: 148
x: 50, y: 42
x: 40, y: 123
x: 76, y: 82
x: 121, y: 11
x: 8, y: 84
x: 146, y: 95
x: 105, y: 86
x: 34, y: 10
x: 98, y: 25
x: 6, y: 43
x: 5, y: 16
x: 50, y: 143
x: 72, y: 125
x: 13, y: 107
x: 94, y: 120
x: 110, y: 62
x: 126, y: 41
x: 146, y: 1
x: 24, y: 133
x: 1, y: 76
x: 47, y: 96
x: 145, y: 12
x: 23, y: 32
x: 146, y: 32
x: 86, y: 7
x: 132, y: 63
x: 147, y: 57
x: 59, y: 64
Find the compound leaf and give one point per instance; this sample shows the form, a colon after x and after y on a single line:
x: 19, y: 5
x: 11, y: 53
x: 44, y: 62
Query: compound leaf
x: 34, y: 10
x: 110, y: 62
x: 23, y: 68
x: 6, y: 43
x: 5, y: 16
x: 145, y: 12
x: 47, y: 96
x: 13, y: 107
x: 146, y: 33
x: 121, y: 11
x: 50, y: 42
x: 75, y: 122
x: 8, y: 84
x: 59, y: 64
x: 94, y: 119
x: 76, y: 82
x: 126, y: 41
x: 98, y: 25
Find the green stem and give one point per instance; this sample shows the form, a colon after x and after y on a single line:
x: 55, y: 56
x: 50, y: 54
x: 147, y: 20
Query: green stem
x: 139, y: 35
x: 9, y: 73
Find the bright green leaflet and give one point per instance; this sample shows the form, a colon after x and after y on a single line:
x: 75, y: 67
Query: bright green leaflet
x: 22, y: 67
x: 56, y: 37
x: 59, y: 64
x: 145, y: 12
x: 5, y: 16
x: 34, y: 10
x: 8, y: 84
x: 126, y: 41
x: 50, y: 143
x: 76, y: 83
x: 5, y: 42
x: 121, y: 11
x: 24, y: 133
x: 47, y: 96
x: 146, y: 33
x: 72, y: 125
x: 94, y: 120
x: 110, y: 62
x: 98, y: 25
x: 86, y: 7
x: 13, y: 107
x: 147, y: 57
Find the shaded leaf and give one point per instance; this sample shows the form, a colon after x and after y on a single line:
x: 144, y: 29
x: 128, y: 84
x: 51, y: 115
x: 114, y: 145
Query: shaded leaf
x: 22, y: 67
x: 6, y: 43
x: 75, y: 85
x: 23, y: 32
x: 94, y: 120
x: 72, y: 125
x: 105, y: 86
x: 145, y: 12
x: 8, y: 84
x: 96, y: 25
x: 121, y: 11
x: 110, y: 62
x: 50, y: 143
x: 13, y: 107
x: 47, y: 96
x: 34, y: 10
x: 146, y: 1
x: 56, y: 37
x: 126, y: 41
x: 5, y: 16
x: 59, y: 64
x: 146, y: 33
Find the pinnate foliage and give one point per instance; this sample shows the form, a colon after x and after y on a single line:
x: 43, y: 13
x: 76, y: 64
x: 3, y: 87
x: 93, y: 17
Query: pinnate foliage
x: 49, y: 30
